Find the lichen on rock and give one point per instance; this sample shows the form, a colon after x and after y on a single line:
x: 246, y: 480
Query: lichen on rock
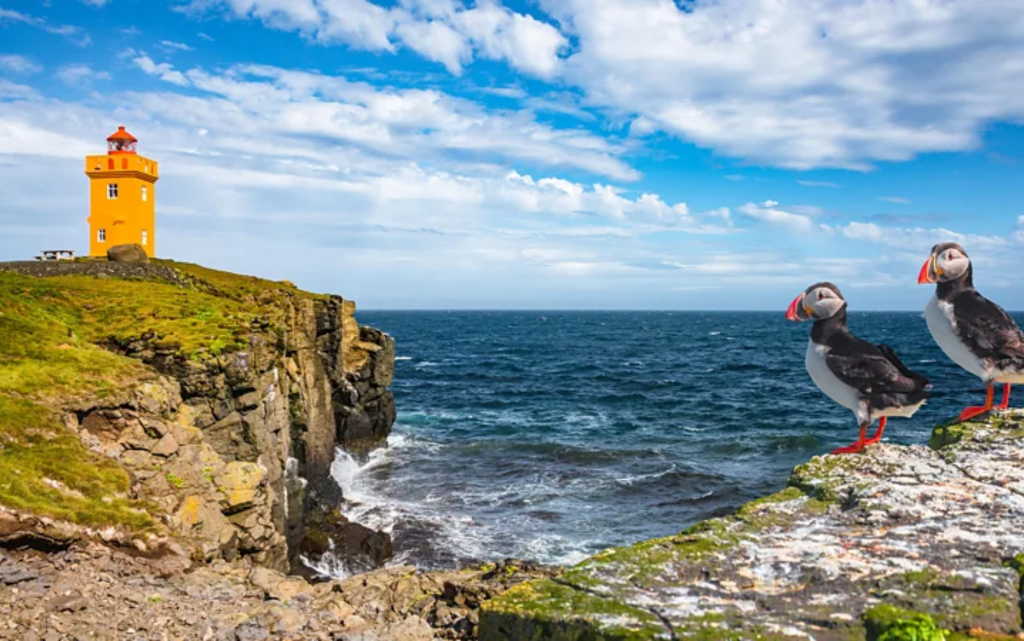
x: 897, y: 543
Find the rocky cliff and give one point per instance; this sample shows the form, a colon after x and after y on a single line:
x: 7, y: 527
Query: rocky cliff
x: 167, y: 404
x: 900, y: 543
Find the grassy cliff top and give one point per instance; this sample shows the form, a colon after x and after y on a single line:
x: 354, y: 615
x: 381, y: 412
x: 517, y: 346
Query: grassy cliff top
x: 51, y: 332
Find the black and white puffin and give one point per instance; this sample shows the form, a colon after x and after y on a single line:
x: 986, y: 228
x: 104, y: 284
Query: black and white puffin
x: 974, y: 332
x: 868, y: 379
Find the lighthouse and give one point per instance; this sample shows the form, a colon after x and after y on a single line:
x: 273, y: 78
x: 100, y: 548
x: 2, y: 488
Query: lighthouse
x: 122, y: 196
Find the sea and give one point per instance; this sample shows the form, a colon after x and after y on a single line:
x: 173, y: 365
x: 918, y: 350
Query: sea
x: 550, y: 436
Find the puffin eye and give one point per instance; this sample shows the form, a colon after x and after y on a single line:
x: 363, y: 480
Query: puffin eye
x: 821, y: 295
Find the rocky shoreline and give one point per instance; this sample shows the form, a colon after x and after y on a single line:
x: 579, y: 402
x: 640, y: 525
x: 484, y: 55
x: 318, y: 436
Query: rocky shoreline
x: 900, y: 543
x: 94, y: 591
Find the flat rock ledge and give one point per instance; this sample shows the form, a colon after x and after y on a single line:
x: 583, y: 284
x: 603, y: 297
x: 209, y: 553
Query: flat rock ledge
x: 921, y: 543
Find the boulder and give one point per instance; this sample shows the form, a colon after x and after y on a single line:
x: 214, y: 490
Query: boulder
x: 127, y: 254
x: 359, y: 546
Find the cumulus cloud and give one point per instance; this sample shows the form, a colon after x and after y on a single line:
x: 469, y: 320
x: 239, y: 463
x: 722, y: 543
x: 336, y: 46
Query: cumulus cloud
x: 769, y: 212
x: 165, y: 71
x: 80, y: 75
x: 409, y: 123
x: 830, y: 83
x: 14, y: 91
x: 918, y: 237
x: 446, y: 32
x: 12, y: 63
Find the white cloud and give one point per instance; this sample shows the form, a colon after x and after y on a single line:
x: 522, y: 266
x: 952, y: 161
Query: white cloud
x: 443, y: 31
x: 97, y: 3
x: 14, y: 91
x: 410, y: 123
x: 818, y: 183
x: 164, y: 71
x: 75, y: 34
x: 918, y: 237
x: 80, y: 75
x: 169, y: 45
x: 828, y: 83
x: 554, y: 195
x: 12, y: 63
x: 898, y: 200
x: 769, y: 213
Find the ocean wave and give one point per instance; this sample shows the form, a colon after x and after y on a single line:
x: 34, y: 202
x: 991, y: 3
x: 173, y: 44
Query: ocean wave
x: 403, y: 358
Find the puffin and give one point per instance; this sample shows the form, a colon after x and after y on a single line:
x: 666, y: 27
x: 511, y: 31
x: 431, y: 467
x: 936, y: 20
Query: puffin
x: 974, y: 332
x: 868, y: 379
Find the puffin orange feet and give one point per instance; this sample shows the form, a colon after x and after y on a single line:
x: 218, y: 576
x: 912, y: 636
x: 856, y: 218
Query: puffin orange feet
x: 878, y: 435
x: 1006, y: 399
x: 972, y: 412
x: 854, y: 448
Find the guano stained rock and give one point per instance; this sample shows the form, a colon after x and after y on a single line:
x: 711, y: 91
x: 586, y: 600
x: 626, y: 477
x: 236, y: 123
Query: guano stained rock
x: 899, y: 543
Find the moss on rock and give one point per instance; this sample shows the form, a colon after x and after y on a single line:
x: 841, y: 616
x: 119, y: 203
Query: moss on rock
x: 550, y: 611
x: 889, y: 623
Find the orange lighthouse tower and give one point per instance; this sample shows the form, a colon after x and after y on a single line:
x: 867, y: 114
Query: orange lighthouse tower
x: 122, y: 196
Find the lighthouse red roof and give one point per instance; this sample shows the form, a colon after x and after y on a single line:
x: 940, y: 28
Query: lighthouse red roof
x: 121, y: 134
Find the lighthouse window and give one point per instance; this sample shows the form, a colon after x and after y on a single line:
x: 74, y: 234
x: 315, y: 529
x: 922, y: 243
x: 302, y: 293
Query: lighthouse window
x: 112, y: 191
x: 145, y: 237
x: 145, y: 193
x: 101, y: 235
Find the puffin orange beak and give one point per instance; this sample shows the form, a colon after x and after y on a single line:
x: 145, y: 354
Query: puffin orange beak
x: 927, y: 274
x: 797, y: 306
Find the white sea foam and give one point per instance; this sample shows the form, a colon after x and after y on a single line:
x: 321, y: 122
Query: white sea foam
x: 453, y: 530
x: 631, y: 479
x: 403, y: 358
x: 328, y: 565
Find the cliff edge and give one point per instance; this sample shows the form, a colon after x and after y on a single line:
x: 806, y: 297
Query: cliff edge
x: 170, y: 407
x: 900, y: 543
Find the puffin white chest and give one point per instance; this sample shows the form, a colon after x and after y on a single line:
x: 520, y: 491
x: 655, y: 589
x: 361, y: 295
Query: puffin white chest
x: 826, y: 381
x: 942, y: 325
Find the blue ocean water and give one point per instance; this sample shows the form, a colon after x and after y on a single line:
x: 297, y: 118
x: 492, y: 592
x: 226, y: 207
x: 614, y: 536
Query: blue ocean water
x: 554, y: 435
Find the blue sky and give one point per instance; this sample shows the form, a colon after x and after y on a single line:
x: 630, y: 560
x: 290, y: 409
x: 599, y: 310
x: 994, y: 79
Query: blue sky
x: 635, y: 154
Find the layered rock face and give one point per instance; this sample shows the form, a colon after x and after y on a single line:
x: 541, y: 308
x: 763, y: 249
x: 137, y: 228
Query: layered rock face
x: 898, y: 543
x: 238, y: 448
x: 232, y: 448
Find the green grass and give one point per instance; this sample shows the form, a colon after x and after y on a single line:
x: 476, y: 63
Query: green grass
x: 235, y: 286
x: 46, y: 470
x: 50, y: 359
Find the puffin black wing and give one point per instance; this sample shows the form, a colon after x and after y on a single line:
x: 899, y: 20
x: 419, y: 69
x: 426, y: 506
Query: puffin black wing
x: 871, y: 369
x: 987, y: 330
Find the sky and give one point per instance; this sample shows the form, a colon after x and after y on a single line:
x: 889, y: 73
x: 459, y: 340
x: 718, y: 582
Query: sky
x: 535, y: 154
